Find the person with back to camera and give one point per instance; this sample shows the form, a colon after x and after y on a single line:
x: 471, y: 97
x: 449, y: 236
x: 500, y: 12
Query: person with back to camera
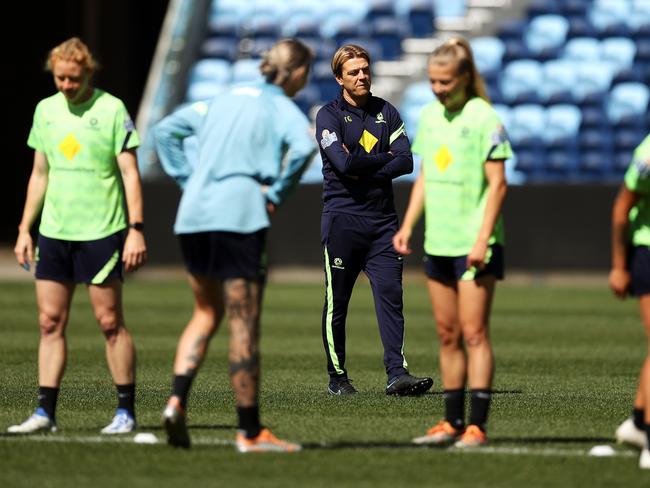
x: 630, y: 274
x: 84, y: 165
x: 364, y: 147
x: 461, y: 188
x: 243, y: 136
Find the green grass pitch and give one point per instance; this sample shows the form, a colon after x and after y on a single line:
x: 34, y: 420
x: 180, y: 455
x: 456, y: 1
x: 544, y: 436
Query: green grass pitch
x: 566, y: 367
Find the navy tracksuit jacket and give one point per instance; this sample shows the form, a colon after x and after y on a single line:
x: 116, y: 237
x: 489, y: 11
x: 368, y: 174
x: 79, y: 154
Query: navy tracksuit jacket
x: 359, y: 221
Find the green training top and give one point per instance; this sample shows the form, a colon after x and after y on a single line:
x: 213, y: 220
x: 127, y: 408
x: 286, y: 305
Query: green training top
x: 637, y: 179
x: 84, y: 198
x: 454, y: 148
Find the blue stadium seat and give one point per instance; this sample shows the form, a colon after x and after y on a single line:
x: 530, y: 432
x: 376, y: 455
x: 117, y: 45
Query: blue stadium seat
x: 203, y: 90
x: 609, y: 17
x: 223, y: 27
x: 543, y: 7
x: 211, y: 70
x: 503, y: 111
x: 627, y: 104
x: 622, y: 160
x: 512, y: 29
x: 596, y: 151
x: 301, y: 25
x: 592, y: 82
x: 323, y: 78
x: 515, y: 50
x: 307, y: 98
x: 627, y: 139
x: 581, y: 27
x: 323, y: 48
x: 594, y: 117
x: 246, y: 70
x: 418, y: 94
x: 559, y: 79
x: 561, y: 138
x: 263, y: 27
x: 639, y: 19
x: 380, y: 9
x: 421, y: 17
x: 488, y: 55
x: 575, y: 8
x: 220, y: 48
x: 620, y: 51
x: 525, y: 132
x: 546, y: 35
x: 521, y: 81
x: 450, y: 8
x: 581, y: 49
x: 389, y: 33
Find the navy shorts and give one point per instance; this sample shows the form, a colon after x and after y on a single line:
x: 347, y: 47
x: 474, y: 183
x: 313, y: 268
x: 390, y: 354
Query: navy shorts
x: 223, y: 255
x: 639, y: 265
x: 92, y: 262
x: 453, y: 268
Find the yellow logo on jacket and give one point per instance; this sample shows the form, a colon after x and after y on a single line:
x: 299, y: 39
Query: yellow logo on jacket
x: 70, y: 147
x: 443, y: 158
x: 367, y: 141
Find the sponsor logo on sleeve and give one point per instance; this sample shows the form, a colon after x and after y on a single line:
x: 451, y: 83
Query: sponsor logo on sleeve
x: 129, y: 126
x: 327, y: 138
x: 380, y: 119
x: 499, y: 135
x: 643, y: 167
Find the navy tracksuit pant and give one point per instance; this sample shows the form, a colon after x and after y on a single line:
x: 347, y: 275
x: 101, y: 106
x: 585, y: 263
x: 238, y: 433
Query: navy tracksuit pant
x: 354, y: 243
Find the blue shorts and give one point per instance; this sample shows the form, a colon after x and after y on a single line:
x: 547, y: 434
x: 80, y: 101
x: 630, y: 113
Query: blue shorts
x: 222, y: 255
x: 454, y: 268
x: 92, y: 262
x: 639, y: 266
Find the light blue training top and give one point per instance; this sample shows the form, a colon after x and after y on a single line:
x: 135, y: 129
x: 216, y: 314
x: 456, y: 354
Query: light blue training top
x: 249, y: 136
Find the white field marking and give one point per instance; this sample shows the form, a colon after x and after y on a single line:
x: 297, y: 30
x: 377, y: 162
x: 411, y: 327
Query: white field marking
x: 208, y: 441
x: 107, y: 439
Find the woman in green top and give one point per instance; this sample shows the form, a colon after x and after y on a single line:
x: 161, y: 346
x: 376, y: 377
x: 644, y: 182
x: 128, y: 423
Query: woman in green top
x: 630, y: 274
x: 461, y: 188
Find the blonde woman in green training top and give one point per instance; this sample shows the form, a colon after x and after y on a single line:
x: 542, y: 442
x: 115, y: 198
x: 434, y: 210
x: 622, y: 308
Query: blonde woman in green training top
x: 461, y: 188
x: 85, y: 170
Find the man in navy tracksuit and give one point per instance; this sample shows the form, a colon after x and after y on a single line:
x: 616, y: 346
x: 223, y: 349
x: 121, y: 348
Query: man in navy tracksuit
x: 363, y: 146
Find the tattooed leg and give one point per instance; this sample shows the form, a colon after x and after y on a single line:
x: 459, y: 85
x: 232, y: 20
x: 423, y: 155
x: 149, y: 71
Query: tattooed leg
x: 243, y: 306
x: 208, y: 312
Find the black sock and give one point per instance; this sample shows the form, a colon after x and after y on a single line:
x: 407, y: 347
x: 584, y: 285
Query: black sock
x: 480, y: 406
x: 126, y: 398
x: 47, y: 397
x: 181, y: 388
x: 637, y: 417
x: 455, y: 407
x: 249, y: 421
x: 646, y: 427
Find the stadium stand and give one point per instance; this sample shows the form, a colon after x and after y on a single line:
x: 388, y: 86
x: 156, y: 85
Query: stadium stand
x: 568, y: 77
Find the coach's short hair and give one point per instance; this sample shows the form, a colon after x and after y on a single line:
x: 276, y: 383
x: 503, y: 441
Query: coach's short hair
x: 72, y: 50
x: 345, y: 53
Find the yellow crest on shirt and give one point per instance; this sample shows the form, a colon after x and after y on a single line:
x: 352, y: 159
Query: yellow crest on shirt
x: 367, y: 141
x: 443, y: 158
x: 70, y: 147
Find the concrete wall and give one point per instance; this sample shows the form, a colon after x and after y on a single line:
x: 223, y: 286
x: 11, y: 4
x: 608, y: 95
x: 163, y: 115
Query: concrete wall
x: 548, y: 227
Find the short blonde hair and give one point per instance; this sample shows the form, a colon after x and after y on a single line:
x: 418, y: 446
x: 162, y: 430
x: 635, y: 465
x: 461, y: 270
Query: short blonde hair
x: 72, y: 50
x: 346, y: 53
x: 458, y: 51
x: 284, y: 57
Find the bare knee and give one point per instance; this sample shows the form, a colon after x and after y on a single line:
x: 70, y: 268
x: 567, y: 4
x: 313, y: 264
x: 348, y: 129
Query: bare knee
x: 51, y: 325
x: 110, y: 323
x: 476, y: 338
x: 448, y: 334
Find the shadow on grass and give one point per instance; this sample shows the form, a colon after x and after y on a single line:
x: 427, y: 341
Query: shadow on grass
x: 494, y: 442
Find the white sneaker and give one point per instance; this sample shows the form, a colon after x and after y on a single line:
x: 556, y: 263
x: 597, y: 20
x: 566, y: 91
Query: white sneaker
x: 38, y: 422
x: 627, y: 433
x: 644, y: 459
x: 122, y: 423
